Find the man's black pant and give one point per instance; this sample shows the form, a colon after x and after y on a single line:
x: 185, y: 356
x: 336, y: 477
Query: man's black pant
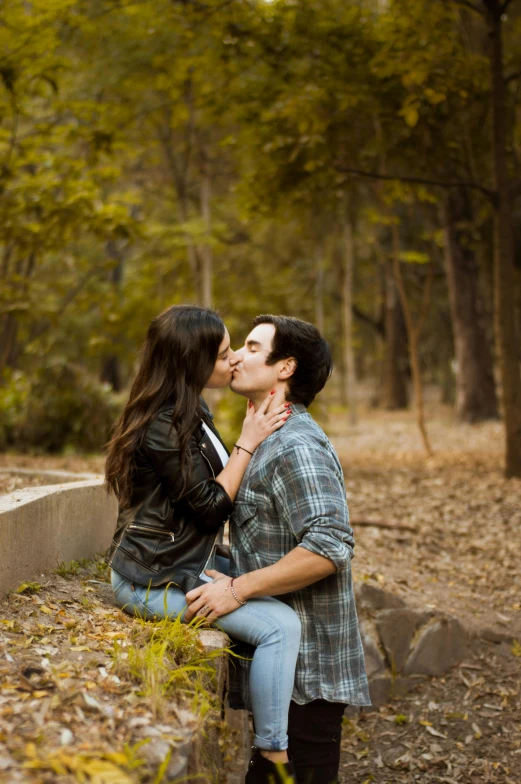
x: 315, y: 731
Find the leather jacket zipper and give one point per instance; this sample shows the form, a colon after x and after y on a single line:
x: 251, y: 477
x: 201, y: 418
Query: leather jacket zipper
x: 209, y: 555
x: 159, y: 531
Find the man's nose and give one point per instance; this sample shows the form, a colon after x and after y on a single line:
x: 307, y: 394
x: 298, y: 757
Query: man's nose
x: 234, y: 357
x: 239, y: 354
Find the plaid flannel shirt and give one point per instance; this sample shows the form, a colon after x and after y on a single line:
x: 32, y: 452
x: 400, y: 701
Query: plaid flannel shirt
x: 293, y: 495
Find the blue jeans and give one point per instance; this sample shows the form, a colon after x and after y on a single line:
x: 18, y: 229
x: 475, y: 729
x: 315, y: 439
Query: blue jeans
x: 267, y: 623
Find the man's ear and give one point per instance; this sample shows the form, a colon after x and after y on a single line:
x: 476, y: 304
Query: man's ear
x: 287, y: 369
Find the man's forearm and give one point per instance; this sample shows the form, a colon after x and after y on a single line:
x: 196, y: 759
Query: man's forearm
x: 297, y: 569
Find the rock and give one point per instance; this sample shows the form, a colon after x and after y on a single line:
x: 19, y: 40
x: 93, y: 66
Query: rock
x: 239, y: 744
x: 374, y: 660
x: 438, y: 648
x: 380, y: 690
x: 384, y: 688
x: 493, y: 635
x: 396, y: 629
x: 158, y: 747
x: 214, y: 640
x: 370, y: 597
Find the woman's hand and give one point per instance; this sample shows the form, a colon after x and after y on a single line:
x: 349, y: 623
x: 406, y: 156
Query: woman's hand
x: 260, y: 424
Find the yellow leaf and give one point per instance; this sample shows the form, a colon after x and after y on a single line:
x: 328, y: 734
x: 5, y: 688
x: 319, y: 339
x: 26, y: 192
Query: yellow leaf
x: 105, y: 772
x: 46, y: 609
x: 516, y: 648
x: 117, y: 757
x: 30, y: 750
x: 79, y: 648
x: 39, y: 694
x: 411, y: 116
x: 425, y: 723
x: 434, y: 97
x: 34, y: 764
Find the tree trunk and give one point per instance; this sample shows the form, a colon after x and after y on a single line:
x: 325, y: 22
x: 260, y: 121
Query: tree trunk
x: 319, y: 289
x: 396, y: 363
x: 475, y: 389
x: 507, y: 345
x: 206, y: 249
x: 8, y: 341
x: 110, y: 365
x: 413, y: 334
x: 347, y: 316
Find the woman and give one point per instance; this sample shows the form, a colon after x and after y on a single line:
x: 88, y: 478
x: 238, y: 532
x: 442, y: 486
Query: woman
x: 175, y: 484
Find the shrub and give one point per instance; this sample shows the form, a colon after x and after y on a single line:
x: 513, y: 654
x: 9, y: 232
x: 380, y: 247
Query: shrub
x: 60, y: 407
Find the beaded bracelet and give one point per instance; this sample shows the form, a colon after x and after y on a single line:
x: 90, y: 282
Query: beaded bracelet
x: 230, y: 585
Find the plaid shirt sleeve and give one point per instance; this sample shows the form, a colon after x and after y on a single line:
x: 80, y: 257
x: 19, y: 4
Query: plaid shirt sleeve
x: 310, y: 496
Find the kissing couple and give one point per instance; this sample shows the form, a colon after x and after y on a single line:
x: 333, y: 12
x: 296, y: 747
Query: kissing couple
x: 285, y: 584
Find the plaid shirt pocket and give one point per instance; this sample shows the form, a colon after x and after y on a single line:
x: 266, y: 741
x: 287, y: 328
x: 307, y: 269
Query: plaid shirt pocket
x: 246, y: 526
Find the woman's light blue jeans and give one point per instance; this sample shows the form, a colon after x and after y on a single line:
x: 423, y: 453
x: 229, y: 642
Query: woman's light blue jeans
x: 267, y: 623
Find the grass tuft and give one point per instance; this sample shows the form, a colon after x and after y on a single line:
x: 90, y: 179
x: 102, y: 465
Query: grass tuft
x: 166, y: 658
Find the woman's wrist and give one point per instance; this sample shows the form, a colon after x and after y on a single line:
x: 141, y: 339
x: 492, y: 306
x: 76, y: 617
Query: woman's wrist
x: 247, y: 443
x: 240, y: 447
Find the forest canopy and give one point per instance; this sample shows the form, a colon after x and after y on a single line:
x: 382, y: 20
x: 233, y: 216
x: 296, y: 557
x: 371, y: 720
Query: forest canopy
x: 354, y: 164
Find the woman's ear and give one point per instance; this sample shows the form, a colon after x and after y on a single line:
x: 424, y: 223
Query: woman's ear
x: 287, y: 369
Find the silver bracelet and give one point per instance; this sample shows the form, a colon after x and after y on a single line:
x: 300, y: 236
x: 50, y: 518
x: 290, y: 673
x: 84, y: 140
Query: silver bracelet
x: 233, y: 592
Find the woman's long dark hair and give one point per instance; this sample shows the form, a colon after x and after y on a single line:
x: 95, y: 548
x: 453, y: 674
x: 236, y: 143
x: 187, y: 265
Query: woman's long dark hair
x: 178, y: 358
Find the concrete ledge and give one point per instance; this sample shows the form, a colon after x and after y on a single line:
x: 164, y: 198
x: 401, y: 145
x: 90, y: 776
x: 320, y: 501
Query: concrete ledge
x: 42, y: 526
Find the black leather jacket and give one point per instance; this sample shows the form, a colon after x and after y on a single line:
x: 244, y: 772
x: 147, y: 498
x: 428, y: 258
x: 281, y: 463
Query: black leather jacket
x: 161, y: 538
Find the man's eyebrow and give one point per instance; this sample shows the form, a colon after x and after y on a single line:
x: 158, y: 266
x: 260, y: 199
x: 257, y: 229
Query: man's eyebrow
x: 251, y: 343
x: 225, y: 350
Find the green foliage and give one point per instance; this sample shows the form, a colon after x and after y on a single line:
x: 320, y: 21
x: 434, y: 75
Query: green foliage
x: 115, y: 118
x: 60, y: 407
x: 29, y: 588
x: 68, y: 569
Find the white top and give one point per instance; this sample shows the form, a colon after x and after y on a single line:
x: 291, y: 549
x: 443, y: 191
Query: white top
x: 221, y: 451
x: 223, y: 457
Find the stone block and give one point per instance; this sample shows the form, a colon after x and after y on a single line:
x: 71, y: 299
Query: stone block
x: 384, y: 688
x: 396, y: 629
x: 370, y: 597
x: 494, y: 635
x: 439, y: 647
x: 374, y: 660
x: 214, y: 640
x: 239, y: 743
x: 41, y: 526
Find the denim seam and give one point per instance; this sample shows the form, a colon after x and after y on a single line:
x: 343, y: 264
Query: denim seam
x: 140, y: 601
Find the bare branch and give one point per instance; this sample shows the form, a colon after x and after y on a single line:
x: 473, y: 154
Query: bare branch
x: 512, y: 77
x: 471, y: 6
x: 505, y: 6
x: 383, y: 524
x: 490, y: 194
x: 378, y: 326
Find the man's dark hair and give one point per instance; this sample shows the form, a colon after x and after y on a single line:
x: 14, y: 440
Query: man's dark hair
x: 302, y: 341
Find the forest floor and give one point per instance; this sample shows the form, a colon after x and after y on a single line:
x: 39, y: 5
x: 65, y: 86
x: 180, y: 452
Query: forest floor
x: 461, y: 556
x: 456, y: 549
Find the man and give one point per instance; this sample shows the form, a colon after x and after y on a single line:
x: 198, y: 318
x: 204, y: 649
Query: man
x: 290, y: 538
